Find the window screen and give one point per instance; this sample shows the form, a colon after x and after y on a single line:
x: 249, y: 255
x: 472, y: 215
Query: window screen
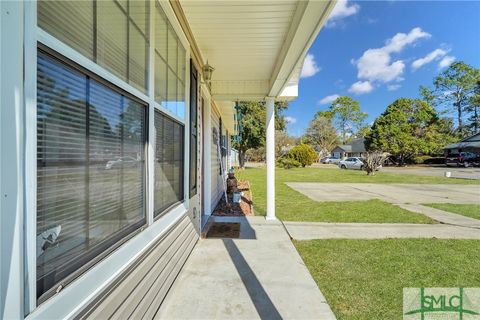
x: 112, y: 33
x: 169, y: 147
x: 90, y: 170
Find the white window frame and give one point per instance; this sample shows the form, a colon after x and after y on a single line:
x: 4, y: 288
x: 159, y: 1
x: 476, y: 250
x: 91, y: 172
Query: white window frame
x: 69, y: 301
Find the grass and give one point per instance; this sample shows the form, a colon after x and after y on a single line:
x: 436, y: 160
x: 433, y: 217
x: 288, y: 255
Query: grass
x: 297, y: 207
x: 468, y: 210
x: 294, y: 206
x: 354, y: 176
x: 364, y: 279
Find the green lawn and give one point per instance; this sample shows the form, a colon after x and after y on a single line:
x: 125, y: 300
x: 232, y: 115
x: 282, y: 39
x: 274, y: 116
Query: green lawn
x: 364, y: 279
x: 294, y: 206
x: 468, y: 210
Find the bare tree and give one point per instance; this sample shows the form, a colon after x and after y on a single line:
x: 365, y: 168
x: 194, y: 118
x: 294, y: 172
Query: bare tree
x: 321, y: 134
x: 373, y: 161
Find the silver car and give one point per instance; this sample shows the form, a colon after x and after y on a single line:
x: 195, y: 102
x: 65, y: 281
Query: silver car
x: 351, y: 163
x: 330, y: 160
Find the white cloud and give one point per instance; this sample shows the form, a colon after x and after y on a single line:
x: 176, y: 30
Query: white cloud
x: 342, y: 10
x: 434, y: 55
x: 393, y: 87
x: 375, y: 65
x: 290, y: 120
x: 361, y: 87
x: 310, y: 67
x: 328, y: 99
x: 446, y: 61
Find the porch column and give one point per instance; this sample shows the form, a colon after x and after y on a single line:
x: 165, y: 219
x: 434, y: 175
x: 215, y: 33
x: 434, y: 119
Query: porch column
x: 270, y: 149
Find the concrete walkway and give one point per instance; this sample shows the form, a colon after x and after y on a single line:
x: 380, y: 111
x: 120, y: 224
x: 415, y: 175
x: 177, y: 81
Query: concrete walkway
x: 393, y: 193
x: 321, y: 230
x: 260, y: 275
x: 442, y: 216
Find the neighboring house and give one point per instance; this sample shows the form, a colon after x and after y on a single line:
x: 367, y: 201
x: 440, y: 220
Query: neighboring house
x: 355, y: 148
x: 126, y: 83
x: 469, y: 144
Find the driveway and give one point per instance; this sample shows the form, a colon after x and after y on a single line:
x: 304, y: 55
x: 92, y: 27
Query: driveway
x: 434, y: 171
x: 393, y: 193
x: 437, y: 171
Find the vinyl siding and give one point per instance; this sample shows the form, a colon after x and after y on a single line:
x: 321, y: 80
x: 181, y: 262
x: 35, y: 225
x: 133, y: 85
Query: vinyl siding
x: 216, y: 177
x: 141, y: 290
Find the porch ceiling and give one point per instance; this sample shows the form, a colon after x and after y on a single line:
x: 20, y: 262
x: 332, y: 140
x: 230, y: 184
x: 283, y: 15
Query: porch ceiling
x: 256, y: 47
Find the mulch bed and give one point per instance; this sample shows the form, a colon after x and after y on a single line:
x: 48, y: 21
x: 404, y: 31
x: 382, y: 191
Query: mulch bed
x: 224, y: 230
x: 244, y: 208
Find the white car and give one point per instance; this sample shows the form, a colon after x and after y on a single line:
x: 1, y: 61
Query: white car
x: 351, y: 163
x: 330, y: 160
x: 125, y: 162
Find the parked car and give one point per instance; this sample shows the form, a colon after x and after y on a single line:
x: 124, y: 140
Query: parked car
x: 464, y: 159
x: 330, y: 160
x: 351, y: 163
x: 125, y: 162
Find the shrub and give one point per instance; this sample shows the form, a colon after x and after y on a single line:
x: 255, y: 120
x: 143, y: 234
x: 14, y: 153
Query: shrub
x: 373, y: 161
x: 287, y: 163
x: 304, y: 154
x: 421, y: 159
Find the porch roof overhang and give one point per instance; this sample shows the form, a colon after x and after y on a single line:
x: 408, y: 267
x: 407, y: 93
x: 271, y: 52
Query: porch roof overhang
x: 256, y: 47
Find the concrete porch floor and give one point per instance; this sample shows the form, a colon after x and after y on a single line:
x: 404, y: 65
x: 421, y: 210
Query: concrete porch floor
x: 260, y: 275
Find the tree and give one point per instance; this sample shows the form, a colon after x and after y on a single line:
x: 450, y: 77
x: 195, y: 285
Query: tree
x: 347, y: 115
x: 253, y: 126
x: 428, y: 96
x: 321, y: 134
x: 474, y: 107
x: 283, y: 142
x: 454, y: 88
x: 407, y: 128
x: 362, y: 132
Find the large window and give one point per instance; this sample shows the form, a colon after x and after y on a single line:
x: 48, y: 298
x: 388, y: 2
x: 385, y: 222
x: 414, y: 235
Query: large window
x: 169, y: 66
x: 168, y: 162
x: 90, y: 170
x: 112, y: 33
x: 193, y: 131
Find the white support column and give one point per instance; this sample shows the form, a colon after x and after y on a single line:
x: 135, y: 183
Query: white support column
x: 270, y: 148
x: 207, y: 140
x: 12, y: 145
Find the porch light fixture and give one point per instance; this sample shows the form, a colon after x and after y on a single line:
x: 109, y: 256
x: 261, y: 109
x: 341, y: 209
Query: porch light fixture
x: 207, y: 72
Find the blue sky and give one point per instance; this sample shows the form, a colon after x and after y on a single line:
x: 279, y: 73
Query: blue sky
x: 378, y: 51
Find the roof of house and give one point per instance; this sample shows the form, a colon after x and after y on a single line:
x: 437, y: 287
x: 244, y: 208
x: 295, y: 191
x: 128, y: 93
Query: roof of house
x: 472, y: 141
x: 356, y: 145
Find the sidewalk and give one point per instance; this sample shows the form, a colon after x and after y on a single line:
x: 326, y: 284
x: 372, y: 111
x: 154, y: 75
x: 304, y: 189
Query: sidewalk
x: 323, y: 230
x: 260, y: 275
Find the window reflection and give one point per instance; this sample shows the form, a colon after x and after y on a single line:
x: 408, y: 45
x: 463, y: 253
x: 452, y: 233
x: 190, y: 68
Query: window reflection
x: 168, y: 162
x: 90, y: 170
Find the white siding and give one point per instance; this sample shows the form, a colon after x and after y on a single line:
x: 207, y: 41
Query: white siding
x: 216, y: 177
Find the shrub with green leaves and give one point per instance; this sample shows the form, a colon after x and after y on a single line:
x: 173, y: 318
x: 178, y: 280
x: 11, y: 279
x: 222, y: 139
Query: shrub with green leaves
x: 287, y: 163
x: 304, y: 154
x: 421, y: 159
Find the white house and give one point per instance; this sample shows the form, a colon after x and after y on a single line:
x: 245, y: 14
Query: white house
x: 111, y: 123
